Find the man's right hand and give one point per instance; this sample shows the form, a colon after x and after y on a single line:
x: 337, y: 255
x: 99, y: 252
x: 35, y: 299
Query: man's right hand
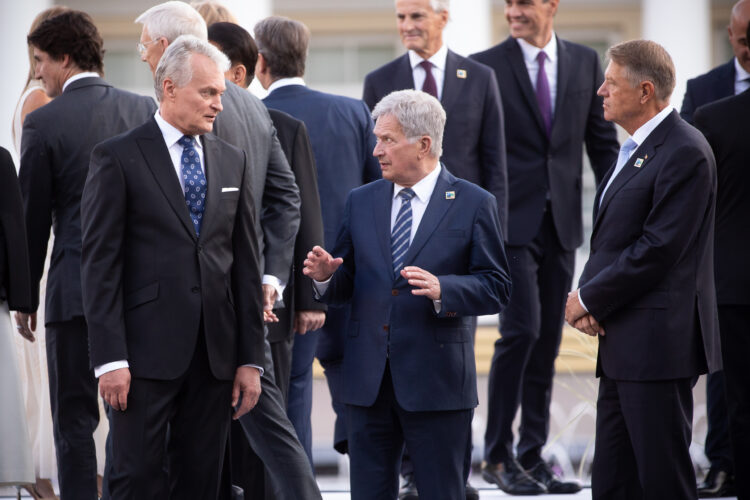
x: 114, y: 387
x: 320, y: 265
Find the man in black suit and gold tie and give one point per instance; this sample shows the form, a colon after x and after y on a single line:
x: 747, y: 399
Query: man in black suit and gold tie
x: 172, y: 284
x: 548, y: 87
x: 647, y: 290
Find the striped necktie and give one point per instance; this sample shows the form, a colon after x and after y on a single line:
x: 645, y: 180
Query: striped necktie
x: 401, y: 231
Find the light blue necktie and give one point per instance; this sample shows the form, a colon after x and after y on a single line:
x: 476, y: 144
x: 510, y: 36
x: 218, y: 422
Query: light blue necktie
x: 401, y: 231
x: 194, y: 179
x: 625, y: 151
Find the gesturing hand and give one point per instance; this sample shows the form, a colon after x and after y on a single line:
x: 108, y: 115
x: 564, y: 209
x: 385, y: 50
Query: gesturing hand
x: 426, y: 283
x: 320, y: 265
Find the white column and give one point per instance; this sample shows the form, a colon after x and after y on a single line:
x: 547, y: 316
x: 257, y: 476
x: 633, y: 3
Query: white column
x: 683, y: 28
x: 469, y: 29
x: 15, y: 20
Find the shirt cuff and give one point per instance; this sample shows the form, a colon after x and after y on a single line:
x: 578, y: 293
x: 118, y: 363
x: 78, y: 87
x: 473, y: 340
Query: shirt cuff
x: 278, y: 285
x: 321, y: 287
x: 110, y: 367
x: 580, y: 299
x: 260, y: 369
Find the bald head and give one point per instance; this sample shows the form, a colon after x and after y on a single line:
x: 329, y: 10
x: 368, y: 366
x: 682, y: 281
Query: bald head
x: 738, y: 28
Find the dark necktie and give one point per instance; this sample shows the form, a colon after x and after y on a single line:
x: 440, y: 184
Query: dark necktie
x: 195, y: 181
x: 429, y: 85
x: 543, y: 93
x: 401, y: 231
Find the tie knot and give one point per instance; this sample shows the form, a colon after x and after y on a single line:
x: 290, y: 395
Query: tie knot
x: 427, y: 65
x: 541, y: 57
x: 186, y: 141
x: 406, y: 194
x: 628, y: 146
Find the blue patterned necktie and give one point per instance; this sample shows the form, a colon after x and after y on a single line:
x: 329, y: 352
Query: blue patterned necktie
x: 401, y: 231
x: 194, y: 179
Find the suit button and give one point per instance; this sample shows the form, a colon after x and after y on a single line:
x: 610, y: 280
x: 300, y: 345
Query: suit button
x: 394, y: 292
x: 195, y: 289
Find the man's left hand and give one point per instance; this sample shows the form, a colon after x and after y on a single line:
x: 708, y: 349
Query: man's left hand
x: 269, y: 299
x: 247, y: 383
x: 588, y: 325
x: 573, y: 308
x: 426, y: 283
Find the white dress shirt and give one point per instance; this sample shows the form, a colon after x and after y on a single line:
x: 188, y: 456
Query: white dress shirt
x: 283, y: 82
x: 419, y: 74
x: 550, y: 66
x: 78, y: 76
x: 741, y: 78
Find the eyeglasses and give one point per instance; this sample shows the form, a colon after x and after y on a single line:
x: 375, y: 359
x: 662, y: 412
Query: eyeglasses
x: 141, y: 47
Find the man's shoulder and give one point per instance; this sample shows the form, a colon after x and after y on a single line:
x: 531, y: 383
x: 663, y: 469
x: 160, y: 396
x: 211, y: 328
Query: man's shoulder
x: 472, y: 66
x: 386, y: 70
x: 725, y: 108
x: 721, y: 73
x: 494, y: 54
x: 239, y: 98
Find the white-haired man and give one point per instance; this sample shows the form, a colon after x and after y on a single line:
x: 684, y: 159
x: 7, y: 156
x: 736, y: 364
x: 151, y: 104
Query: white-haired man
x: 171, y: 284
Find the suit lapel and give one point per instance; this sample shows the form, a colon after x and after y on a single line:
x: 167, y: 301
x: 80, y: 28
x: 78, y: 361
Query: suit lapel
x: 157, y: 158
x: 381, y: 212
x: 518, y: 65
x: 452, y: 84
x: 403, y: 78
x: 563, y: 75
x: 212, y: 170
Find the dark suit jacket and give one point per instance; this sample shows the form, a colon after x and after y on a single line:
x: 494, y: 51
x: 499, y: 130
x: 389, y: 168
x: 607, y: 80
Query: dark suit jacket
x: 473, y: 140
x: 649, y: 279
x: 149, y: 283
x: 709, y: 87
x: 56, y: 145
x: 15, y: 286
x: 724, y: 123
x: 431, y: 355
x: 541, y: 166
x: 244, y: 123
x: 340, y: 130
x: 298, y: 151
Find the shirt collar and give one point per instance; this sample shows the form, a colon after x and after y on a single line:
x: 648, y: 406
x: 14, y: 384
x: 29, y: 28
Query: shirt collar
x: 530, y: 51
x: 438, y: 59
x: 78, y: 76
x: 170, y: 132
x: 645, y: 130
x: 283, y: 82
x: 740, y: 74
x: 424, y: 188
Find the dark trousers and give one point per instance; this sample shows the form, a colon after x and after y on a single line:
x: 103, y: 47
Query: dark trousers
x: 75, y: 408
x: 523, y: 364
x: 734, y: 323
x: 196, y: 410
x: 643, y: 433
x: 718, y: 448
x: 436, y: 441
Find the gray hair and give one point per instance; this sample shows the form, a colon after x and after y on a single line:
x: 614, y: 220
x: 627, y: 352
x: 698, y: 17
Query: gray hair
x: 176, y: 64
x: 438, y: 5
x: 644, y: 60
x: 171, y: 19
x: 418, y: 113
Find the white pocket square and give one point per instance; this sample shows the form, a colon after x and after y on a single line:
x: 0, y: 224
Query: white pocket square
x: 229, y: 189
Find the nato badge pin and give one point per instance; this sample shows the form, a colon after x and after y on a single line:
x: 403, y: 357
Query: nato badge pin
x: 639, y: 163
x: 450, y: 195
x: 461, y: 73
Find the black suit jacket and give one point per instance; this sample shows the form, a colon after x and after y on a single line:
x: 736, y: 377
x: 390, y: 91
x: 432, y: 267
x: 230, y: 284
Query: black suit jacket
x: 539, y: 166
x: 15, y: 286
x: 298, y: 296
x: 149, y: 283
x: 709, y: 87
x: 473, y: 140
x: 649, y: 279
x: 55, y: 148
x: 724, y: 123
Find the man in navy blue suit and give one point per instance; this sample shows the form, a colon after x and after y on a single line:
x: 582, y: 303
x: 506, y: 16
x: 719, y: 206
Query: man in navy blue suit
x: 419, y: 254
x: 340, y: 131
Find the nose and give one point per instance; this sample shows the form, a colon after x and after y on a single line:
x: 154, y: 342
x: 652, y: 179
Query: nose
x: 601, y: 92
x: 377, y: 151
x: 217, y: 104
x: 511, y: 10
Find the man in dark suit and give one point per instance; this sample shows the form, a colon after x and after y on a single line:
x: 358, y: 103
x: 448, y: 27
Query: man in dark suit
x: 419, y: 254
x: 340, y: 131
x: 726, y: 80
x: 57, y: 143
x: 724, y: 123
x: 247, y: 467
x: 245, y: 123
x: 548, y: 87
x: 647, y: 289
x: 172, y: 284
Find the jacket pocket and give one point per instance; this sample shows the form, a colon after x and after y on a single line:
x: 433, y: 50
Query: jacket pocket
x: 452, y: 334
x: 141, y: 296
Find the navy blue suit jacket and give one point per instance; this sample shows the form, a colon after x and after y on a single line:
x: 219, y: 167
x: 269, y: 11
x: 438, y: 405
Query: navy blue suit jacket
x: 340, y: 130
x: 541, y: 166
x: 431, y: 355
x: 474, y: 139
x: 708, y: 87
x: 649, y: 279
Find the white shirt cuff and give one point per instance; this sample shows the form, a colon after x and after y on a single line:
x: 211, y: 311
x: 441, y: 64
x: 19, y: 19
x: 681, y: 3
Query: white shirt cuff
x: 110, y: 367
x: 321, y: 286
x: 260, y: 369
x: 580, y: 299
x: 279, y: 286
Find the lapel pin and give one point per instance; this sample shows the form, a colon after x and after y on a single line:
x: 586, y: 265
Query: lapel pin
x: 646, y: 157
x: 461, y: 73
x: 638, y: 163
x: 450, y: 195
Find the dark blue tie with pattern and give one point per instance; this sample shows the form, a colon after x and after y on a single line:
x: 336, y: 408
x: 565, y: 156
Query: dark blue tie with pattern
x: 401, y: 231
x: 195, y: 181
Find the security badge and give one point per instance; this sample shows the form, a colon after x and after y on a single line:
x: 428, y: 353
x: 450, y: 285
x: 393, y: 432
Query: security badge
x: 450, y: 195
x: 461, y: 73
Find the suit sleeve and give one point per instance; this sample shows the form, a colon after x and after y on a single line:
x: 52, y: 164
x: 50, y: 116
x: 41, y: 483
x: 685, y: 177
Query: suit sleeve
x: 486, y: 286
x: 371, y: 165
x: 681, y: 199
x: 103, y: 208
x: 35, y: 178
x: 311, y: 225
x: 601, y: 136
x: 280, y: 213
x: 492, y: 150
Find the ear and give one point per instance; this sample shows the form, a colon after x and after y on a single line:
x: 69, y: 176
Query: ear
x: 260, y: 66
x: 238, y: 72
x: 648, y: 91
x: 168, y: 89
x: 66, y: 60
x: 425, y: 145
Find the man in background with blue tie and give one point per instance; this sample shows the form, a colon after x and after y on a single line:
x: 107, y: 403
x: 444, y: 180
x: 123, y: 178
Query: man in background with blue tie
x: 419, y: 255
x: 548, y: 88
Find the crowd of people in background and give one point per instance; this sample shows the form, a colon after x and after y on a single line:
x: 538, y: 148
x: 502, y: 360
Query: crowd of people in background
x: 184, y: 259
